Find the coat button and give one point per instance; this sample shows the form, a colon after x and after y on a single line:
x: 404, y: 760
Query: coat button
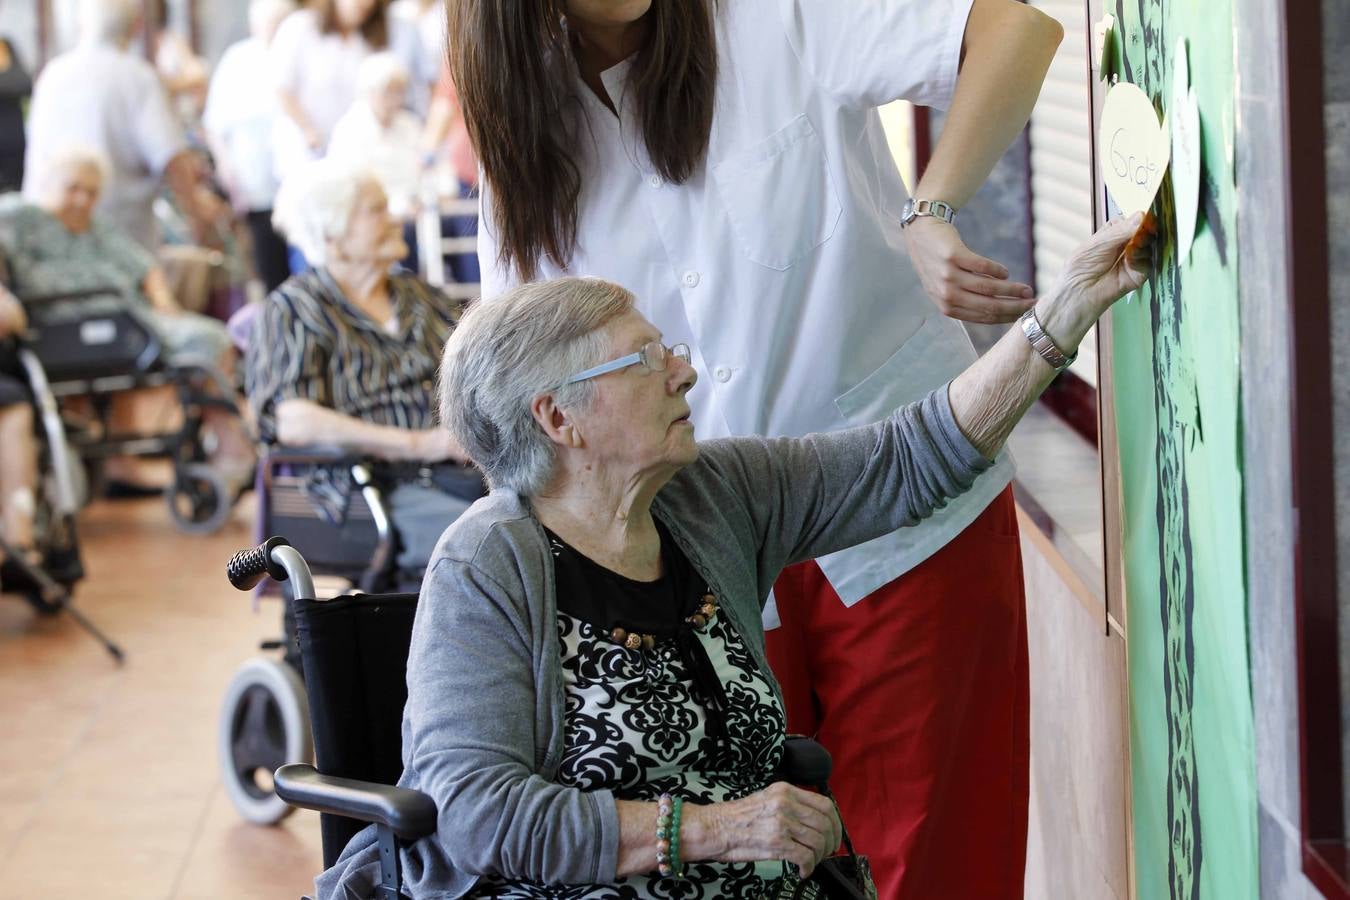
x: 722, y: 374
x: 654, y: 180
x: 691, y: 278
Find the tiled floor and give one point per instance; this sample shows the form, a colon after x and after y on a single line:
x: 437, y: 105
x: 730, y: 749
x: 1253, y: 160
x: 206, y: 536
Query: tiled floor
x: 108, y: 775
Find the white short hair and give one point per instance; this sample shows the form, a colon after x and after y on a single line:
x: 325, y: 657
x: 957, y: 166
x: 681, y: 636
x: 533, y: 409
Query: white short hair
x: 315, y: 204
x: 509, y: 350
x: 55, y: 168
x: 377, y: 72
x: 108, y: 21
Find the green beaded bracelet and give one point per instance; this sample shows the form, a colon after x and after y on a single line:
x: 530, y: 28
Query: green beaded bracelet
x: 668, y: 810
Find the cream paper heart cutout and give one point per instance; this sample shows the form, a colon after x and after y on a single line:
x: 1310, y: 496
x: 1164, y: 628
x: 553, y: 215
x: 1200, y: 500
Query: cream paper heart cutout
x: 1134, y: 148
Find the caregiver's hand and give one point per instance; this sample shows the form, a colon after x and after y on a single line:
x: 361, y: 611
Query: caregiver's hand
x: 963, y: 284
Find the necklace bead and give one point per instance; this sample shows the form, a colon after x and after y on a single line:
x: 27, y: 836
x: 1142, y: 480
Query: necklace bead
x: 636, y: 640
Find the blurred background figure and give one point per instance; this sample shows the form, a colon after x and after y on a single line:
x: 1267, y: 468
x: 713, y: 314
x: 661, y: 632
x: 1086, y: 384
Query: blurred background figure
x: 446, y: 147
x: 101, y: 96
x: 350, y: 350
x: 379, y: 135
x: 426, y: 19
x: 184, y: 73
x: 316, y: 55
x: 58, y: 245
x: 241, y: 110
x: 15, y: 87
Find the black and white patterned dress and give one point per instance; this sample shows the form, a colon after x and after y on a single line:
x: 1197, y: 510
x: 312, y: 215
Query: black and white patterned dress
x: 639, y: 723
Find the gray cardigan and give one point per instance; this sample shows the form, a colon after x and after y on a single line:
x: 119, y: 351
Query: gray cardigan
x: 483, y: 728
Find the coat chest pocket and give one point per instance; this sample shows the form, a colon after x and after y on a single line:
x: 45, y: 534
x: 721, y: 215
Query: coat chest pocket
x: 779, y: 196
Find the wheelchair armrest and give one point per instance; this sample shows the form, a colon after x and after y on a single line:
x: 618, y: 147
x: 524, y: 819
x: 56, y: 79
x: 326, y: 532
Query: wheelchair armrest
x: 409, y: 814
x: 805, y: 762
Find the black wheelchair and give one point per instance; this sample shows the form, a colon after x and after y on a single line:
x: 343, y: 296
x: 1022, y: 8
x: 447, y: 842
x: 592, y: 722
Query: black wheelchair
x: 47, y: 581
x: 334, y: 507
x: 96, y: 345
x: 355, y: 655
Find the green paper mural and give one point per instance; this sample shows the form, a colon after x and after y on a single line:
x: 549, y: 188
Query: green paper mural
x: 1176, y: 376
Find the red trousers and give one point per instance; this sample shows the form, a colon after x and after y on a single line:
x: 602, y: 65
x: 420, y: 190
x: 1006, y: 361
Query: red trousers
x: 920, y: 694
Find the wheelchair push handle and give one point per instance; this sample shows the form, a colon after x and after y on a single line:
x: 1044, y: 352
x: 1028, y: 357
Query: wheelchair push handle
x: 274, y: 557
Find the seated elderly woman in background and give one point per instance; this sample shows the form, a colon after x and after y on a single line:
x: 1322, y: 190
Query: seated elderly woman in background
x: 59, y: 246
x: 346, y: 354
x: 378, y: 134
x: 588, y: 650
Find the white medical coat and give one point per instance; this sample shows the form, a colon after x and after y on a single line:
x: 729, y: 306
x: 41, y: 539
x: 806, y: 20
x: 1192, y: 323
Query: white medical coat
x: 781, y: 262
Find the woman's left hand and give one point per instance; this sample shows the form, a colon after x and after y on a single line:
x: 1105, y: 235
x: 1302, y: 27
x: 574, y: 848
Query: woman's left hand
x: 963, y: 284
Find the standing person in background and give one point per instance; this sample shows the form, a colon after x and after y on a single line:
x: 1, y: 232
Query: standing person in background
x: 427, y: 19
x: 100, y: 96
x: 240, y: 113
x: 447, y: 138
x: 725, y: 161
x: 315, y: 57
x: 184, y: 73
x: 15, y: 87
x: 446, y: 133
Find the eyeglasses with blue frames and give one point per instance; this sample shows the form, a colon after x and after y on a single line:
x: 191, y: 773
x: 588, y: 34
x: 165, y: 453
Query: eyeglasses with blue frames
x: 653, y: 355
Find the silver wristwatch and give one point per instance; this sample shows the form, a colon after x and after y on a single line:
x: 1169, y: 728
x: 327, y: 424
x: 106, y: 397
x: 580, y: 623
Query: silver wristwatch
x: 935, y: 208
x: 1042, y: 344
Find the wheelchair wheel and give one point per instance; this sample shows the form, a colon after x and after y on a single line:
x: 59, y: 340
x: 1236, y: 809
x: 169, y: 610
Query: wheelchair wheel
x: 264, y: 724
x: 199, y: 500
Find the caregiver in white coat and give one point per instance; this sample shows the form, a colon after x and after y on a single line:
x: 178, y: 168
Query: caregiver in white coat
x: 724, y: 160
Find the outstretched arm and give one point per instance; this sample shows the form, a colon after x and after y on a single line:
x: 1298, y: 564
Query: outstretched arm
x: 991, y: 396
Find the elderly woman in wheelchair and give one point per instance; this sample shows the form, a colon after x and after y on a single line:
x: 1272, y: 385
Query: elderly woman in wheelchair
x: 58, y: 247
x: 589, y: 703
x: 345, y: 355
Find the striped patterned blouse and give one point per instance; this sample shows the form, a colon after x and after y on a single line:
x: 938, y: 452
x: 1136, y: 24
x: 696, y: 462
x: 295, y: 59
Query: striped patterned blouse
x: 311, y: 343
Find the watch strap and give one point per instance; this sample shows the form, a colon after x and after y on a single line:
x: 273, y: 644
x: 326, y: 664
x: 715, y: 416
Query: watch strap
x: 937, y: 209
x: 1041, y: 342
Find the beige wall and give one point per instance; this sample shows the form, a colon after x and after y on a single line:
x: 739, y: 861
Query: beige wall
x: 1077, y: 847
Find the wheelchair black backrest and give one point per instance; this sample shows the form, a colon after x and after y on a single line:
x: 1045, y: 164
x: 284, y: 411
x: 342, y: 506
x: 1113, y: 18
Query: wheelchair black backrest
x: 90, y: 334
x: 354, y: 652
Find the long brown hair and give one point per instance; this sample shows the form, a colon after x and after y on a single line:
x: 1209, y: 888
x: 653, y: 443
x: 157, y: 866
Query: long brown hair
x: 508, y: 59
x: 375, y: 29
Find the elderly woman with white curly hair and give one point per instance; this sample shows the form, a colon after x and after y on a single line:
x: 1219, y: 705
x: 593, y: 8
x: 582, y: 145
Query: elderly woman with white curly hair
x: 346, y: 354
x: 588, y: 699
x: 60, y: 245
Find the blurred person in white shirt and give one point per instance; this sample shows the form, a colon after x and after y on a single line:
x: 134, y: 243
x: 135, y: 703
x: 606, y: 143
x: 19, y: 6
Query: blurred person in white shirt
x: 378, y: 134
x: 241, y: 110
x: 101, y: 96
x: 315, y: 58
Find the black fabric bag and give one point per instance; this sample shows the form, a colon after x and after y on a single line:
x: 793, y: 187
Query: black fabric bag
x: 847, y: 877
